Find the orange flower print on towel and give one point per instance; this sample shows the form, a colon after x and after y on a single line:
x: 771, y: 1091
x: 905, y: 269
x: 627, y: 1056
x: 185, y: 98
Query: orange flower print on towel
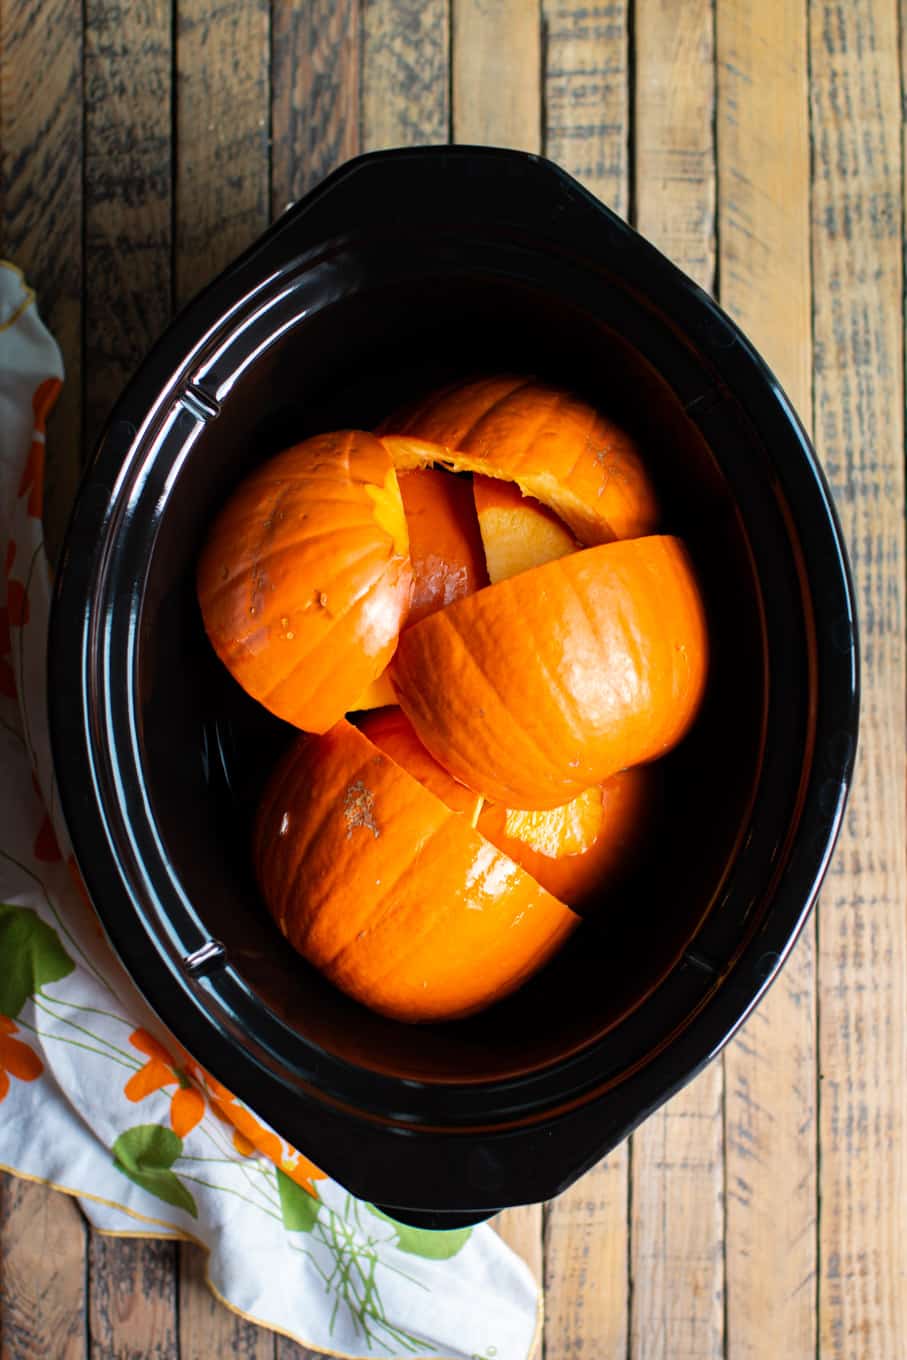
x: 249, y: 1136
x: 16, y: 1059
x: 45, y: 396
x: 187, y: 1105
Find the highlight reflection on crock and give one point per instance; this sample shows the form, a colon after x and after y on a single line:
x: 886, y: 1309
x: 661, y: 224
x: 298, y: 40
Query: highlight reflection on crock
x: 481, y: 585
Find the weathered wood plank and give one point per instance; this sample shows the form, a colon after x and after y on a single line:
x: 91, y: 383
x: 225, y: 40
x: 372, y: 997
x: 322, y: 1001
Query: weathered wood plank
x: 222, y: 112
x: 677, y: 1232
x: 206, y: 1328
x: 405, y: 64
x: 314, y: 94
x: 770, y: 1071
x: 42, y: 1273
x: 496, y: 67
x: 127, y: 194
x: 586, y: 1265
x: 673, y: 131
x: 132, y: 1298
x: 857, y: 220
x: 41, y: 215
x: 587, y: 114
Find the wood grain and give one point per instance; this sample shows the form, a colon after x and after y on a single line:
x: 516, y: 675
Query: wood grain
x: 315, y: 94
x: 127, y: 194
x: 405, y: 66
x: 677, y: 1189
x: 132, y: 1298
x: 587, y: 1267
x: 496, y: 48
x: 673, y: 131
x: 586, y: 82
x: 857, y: 216
x: 206, y: 1327
x: 770, y: 1070
x: 42, y: 1273
x: 41, y: 215
x: 222, y: 113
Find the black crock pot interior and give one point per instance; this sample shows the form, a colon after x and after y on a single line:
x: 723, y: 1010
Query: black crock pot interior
x: 207, y: 747
x: 404, y: 270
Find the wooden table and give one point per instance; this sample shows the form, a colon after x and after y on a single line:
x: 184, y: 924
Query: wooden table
x: 762, y: 1213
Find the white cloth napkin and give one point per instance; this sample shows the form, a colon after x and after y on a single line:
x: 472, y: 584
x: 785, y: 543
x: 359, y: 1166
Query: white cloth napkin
x: 97, y: 1100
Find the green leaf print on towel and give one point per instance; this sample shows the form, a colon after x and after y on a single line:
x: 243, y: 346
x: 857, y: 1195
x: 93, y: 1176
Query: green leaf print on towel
x: 32, y: 956
x: 436, y: 1246
x: 298, y: 1208
x: 145, y: 1154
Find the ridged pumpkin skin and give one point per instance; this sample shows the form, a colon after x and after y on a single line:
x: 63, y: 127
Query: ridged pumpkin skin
x: 554, y: 446
x: 395, y: 898
x: 575, y: 851
x: 305, y: 578
x: 535, y: 688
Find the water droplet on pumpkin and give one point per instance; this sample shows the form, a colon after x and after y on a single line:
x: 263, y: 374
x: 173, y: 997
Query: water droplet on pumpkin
x: 284, y: 825
x: 322, y: 599
x: 284, y: 622
x: 251, y: 609
x: 224, y: 573
x: 290, y: 636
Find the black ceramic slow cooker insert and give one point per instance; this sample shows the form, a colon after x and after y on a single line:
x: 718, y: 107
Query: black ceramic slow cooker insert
x: 402, y: 270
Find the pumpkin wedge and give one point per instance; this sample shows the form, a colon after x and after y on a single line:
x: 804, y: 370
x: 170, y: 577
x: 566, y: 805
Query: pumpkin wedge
x: 305, y: 578
x: 580, y: 848
x: 556, y: 448
x: 518, y: 532
x: 560, y: 677
x: 445, y: 546
x: 445, y: 549
x: 393, y: 896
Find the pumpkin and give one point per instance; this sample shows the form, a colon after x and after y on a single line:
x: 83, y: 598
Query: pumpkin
x: 305, y: 578
x: 394, y: 897
x: 445, y: 550
x: 574, y: 850
x: 517, y: 531
x: 445, y: 546
x: 556, y: 448
x: 536, y: 688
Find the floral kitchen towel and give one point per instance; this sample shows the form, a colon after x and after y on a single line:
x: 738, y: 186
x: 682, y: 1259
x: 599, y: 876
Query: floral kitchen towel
x: 97, y: 1100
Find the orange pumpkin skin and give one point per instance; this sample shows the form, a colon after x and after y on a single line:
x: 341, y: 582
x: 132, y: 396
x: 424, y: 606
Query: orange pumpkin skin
x: 556, y: 447
x: 574, y: 851
x: 395, y: 898
x: 305, y: 578
x: 444, y: 542
x: 557, y: 678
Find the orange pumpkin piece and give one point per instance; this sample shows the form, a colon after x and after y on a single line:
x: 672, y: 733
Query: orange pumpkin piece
x: 560, y: 677
x: 393, y: 896
x: 574, y: 850
x: 445, y: 550
x: 445, y: 546
x: 305, y: 579
x: 518, y: 532
x: 556, y: 448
